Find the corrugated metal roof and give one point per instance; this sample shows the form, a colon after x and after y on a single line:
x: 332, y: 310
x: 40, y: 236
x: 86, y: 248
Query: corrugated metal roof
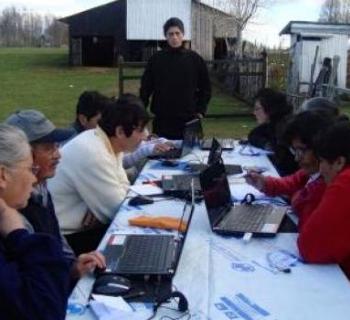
x: 315, y: 27
x: 145, y: 18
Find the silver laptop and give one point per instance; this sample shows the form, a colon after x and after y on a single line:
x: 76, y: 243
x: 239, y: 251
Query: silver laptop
x: 228, y: 219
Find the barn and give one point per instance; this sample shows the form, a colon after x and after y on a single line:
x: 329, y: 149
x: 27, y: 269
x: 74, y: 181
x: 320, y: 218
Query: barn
x: 331, y: 39
x: 133, y: 29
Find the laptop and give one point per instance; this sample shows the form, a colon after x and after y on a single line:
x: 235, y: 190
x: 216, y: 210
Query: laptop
x: 226, y: 144
x: 192, y: 133
x: 215, y: 156
x: 136, y: 256
x: 172, y: 184
x: 258, y: 219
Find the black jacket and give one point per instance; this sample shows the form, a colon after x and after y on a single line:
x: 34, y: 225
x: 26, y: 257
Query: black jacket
x: 178, y: 81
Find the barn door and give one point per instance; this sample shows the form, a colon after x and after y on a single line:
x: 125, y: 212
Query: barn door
x: 76, y: 51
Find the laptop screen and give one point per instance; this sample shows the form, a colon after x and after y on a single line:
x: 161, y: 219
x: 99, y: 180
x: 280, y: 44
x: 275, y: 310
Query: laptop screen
x: 215, y: 152
x: 216, y: 191
x: 192, y: 133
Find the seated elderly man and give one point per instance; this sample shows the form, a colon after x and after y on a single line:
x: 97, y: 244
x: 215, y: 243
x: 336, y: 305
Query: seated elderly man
x: 91, y: 182
x: 40, y: 212
x: 34, y: 273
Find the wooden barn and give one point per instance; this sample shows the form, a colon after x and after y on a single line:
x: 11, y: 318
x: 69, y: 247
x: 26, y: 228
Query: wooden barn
x: 331, y: 39
x: 134, y: 30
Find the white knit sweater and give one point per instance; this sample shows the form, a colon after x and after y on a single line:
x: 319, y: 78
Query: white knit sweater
x: 90, y: 177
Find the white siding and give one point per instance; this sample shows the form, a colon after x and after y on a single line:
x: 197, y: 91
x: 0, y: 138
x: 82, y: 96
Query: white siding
x: 328, y: 47
x: 337, y: 45
x: 145, y: 18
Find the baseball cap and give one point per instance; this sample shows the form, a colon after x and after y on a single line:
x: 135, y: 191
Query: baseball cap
x: 37, y: 127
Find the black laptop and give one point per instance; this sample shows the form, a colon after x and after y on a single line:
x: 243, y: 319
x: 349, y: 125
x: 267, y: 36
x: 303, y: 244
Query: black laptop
x: 215, y: 155
x: 178, y: 183
x: 136, y: 256
x: 258, y: 219
x: 226, y: 143
x: 192, y: 133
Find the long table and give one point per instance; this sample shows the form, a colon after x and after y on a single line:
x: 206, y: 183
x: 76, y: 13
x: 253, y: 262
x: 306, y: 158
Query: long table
x: 225, y: 277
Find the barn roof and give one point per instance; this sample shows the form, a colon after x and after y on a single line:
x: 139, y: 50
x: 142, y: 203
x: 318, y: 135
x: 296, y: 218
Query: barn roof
x: 298, y: 27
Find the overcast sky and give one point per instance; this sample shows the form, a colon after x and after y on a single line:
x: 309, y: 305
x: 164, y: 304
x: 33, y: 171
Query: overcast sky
x: 264, y: 29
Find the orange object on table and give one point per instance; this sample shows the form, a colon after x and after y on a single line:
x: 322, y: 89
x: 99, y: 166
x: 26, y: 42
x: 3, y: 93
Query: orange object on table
x: 161, y: 222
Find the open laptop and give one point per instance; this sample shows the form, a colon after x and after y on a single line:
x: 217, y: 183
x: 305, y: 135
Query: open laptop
x: 258, y: 219
x: 147, y: 254
x: 192, y: 133
x: 215, y: 156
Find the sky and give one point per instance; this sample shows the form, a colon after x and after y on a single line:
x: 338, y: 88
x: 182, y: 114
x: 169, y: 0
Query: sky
x: 263, y: 29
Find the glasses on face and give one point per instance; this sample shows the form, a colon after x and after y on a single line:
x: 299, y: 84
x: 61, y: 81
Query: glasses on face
x: 298, y: 152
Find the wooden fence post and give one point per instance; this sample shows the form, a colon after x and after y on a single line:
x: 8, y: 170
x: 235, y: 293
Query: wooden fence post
x: 265, y: 77
x: 121, y: 75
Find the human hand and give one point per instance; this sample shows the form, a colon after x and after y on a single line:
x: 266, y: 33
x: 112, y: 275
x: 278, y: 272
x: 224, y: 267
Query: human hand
x: 162, y: 147
x: 10, y: 219
x: 256, y: 180
x: 87, y: 262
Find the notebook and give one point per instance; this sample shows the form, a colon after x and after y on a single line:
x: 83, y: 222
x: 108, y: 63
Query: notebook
x: 192, y: 133
x: 147, y: 254
x: 171, y: 184
x: 215, y: 154
x: 258, y: 219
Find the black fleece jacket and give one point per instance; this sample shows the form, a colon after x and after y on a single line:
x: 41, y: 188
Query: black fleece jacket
x: 178, y: 81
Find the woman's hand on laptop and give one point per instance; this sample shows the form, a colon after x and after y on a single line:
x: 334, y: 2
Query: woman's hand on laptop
x: 162, y: 147
x: 87, y: 262
x: 256, y: 180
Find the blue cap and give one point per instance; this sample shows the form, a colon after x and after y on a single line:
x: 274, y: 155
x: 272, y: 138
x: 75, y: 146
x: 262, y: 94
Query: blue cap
x: 37, y: 127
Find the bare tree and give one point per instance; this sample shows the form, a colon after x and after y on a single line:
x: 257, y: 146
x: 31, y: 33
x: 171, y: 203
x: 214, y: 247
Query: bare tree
x: 240, y: 12
x: 335, y: 11
x: 21, y: 27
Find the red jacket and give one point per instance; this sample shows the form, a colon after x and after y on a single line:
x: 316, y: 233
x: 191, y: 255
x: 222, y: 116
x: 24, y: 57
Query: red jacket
x: 325, y: 236
x: 304, y: 197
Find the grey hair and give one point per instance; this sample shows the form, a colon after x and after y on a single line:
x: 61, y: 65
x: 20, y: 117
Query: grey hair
x: 14, y: 146
x: 321, y: 105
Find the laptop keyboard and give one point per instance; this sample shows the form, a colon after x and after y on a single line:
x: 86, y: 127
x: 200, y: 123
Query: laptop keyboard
x: 145, y: 254
x: 183, y: 182
x: 246, y: 218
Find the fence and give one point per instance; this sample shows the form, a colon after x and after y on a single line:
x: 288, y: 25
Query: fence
x: 240, y: 77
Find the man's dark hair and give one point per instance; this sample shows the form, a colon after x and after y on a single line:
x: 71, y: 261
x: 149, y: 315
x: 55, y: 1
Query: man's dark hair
x: 335, y: 142
x: 127, y: 112
x: 274, y: 104
x: 91, y: 103
x: 306, y: 126
x: 173, y: 22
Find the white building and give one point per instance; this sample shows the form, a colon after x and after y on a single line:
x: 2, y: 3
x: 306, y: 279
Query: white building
x: 332, y: 40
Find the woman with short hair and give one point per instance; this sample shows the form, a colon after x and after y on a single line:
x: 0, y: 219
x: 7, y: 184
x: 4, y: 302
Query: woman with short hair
x: 325, y: 235
x: 272, y: 111
x: 34, y: 275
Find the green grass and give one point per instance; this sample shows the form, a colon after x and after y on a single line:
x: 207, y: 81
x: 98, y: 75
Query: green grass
x: 41, y: 78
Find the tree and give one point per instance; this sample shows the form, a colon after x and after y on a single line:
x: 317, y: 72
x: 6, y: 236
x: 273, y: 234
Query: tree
x: 335, y: 11
x: 240, y: 12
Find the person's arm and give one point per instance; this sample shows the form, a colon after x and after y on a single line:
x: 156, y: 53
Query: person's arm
x: 285, y: 186
x: 325, y: 236
x: 147, y: 83
x: 34, y: 282
x: 146, y: 149
x: 204, y: 88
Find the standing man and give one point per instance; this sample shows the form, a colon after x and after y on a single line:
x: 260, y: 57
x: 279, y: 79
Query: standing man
x: 178, y: 81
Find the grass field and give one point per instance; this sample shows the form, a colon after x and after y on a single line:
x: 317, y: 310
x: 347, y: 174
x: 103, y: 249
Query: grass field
x: 42, y: 79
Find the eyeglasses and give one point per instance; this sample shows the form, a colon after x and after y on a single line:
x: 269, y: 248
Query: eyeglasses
x: 298, y: 152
